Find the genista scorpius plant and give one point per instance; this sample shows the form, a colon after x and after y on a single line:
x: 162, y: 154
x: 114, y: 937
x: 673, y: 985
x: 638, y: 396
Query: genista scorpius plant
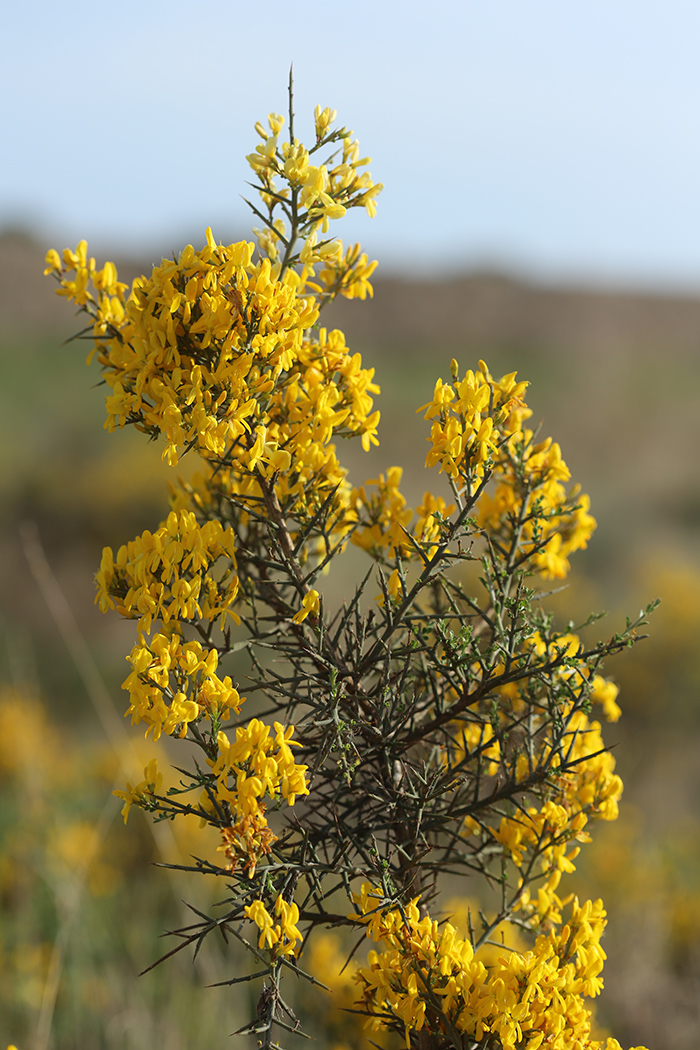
x: 441, y: 728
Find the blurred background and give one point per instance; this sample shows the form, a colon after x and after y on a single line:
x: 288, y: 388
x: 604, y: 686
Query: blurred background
x: 541, y: 164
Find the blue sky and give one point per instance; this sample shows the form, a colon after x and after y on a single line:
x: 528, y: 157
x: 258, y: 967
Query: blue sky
x: 556, y: 138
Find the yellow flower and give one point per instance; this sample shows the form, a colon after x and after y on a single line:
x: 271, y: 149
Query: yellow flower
x: 259, y: 915
x: 311, y: 605
x: 149, y: 786
x: 323, y: 118
x: 605, y: 693
x: 53, y: 264
x: 282, y: 937
x: 289, y: 916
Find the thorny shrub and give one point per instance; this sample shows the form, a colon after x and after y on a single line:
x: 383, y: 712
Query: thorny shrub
x: 442, y: 728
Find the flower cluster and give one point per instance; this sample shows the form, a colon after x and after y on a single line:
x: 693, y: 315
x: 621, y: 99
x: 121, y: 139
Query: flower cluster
x: 174, y: 682
x: 388, y: 529
x: 433, y: 516
x: 247, y: 842
x: 383, y: 515
x: 210, y: 353
x: 427, y: 976
x: 478, y: 428
x: 166, y: 575
x: 311, y: 194
x: 281, y: 936
x: 347, y: 274
x: 531, y: 503
x: 581, y: 781
x: 110, y: 291
x: 260, y: 764
x: 477, y: 432
x: 198, y: 347
x: 462, y: 433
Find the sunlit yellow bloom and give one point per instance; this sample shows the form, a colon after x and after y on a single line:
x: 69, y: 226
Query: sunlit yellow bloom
x: 259, y: 915
x: 258, y: 764
x: 282, y: 937
x: 166, y: 575
x: 535, y: 995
